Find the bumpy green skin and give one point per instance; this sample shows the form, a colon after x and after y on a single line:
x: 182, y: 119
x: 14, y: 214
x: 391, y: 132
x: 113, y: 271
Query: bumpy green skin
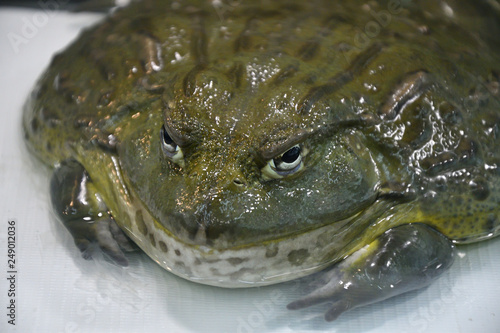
x: 396, y: 111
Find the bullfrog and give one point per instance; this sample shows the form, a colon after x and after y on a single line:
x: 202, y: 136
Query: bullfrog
x: 247, y: 143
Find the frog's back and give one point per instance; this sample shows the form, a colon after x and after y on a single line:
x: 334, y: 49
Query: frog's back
x: 442, y: 142
x: 452, y: 154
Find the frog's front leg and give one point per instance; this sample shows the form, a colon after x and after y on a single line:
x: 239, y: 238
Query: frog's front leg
x: 84, y: 214
x: 404, y: 258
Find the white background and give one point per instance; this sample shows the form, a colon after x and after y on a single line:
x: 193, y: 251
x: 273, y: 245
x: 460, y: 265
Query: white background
x: 57, y: 291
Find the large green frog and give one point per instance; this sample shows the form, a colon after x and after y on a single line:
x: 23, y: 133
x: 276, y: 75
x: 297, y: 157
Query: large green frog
x: 246, y: 143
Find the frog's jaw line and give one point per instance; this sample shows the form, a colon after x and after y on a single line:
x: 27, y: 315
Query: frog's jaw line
x: 232, y: 268
x: 242, y: 267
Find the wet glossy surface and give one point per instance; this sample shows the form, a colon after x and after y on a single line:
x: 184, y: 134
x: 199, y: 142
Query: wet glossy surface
x: 193, y: 115
x: 44, y: 253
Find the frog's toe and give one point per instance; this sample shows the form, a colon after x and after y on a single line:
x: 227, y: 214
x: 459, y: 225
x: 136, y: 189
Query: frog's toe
x: 98, y: 235
x: 331, y: 290
x: 121, y: 238
x: 85, y: 247
x: 323, y: 288
x: 335, y: 310
x: 405, y: 258
x: 108, y: 243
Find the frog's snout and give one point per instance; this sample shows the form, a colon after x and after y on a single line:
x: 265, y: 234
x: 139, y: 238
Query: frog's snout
x: 218, y: 196
x: 217, y: 176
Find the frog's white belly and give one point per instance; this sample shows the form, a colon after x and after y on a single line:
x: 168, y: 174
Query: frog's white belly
x: 245, y: 266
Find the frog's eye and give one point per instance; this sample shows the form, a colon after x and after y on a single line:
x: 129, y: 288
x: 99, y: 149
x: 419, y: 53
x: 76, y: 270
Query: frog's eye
x: 284, y: 165
x: 169, y: 147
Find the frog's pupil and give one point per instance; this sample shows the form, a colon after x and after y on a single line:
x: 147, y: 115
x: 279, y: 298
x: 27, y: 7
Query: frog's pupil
x: 291, y: 155
x: 166, y: 138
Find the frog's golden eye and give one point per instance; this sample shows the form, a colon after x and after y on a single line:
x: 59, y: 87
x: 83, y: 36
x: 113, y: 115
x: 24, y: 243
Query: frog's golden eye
x: 285, y: 164
x: 170, y: 148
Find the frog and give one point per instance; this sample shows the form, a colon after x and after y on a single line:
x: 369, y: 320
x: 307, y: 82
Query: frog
x: 248, y: 143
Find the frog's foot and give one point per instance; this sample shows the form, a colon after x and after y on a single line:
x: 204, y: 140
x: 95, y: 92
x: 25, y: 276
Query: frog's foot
x: 102, y: 233
x: 405, y: 258
x: 83, y: 213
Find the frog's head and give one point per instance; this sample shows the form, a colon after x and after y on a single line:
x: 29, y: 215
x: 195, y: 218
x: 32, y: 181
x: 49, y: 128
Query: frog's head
x: 234, y: 159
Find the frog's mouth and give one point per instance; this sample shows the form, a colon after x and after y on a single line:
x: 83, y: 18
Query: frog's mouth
x: 269, y: 213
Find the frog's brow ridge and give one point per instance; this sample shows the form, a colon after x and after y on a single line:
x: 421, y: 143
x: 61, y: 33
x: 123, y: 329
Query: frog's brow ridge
x: 176, y: 128
x: 283, y: 139
x: 278, y: 145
